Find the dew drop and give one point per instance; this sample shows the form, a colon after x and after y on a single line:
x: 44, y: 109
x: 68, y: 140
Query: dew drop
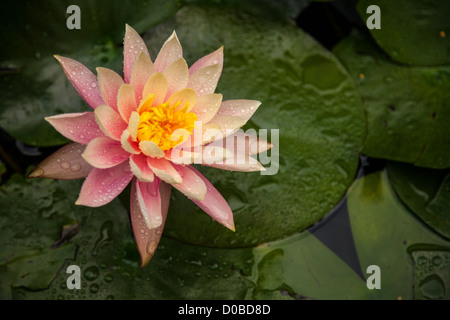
x: 93, y: 84
x: 65, y: 165
x: 151, y: 247
x: 91, y: 273
x: 75, y: 167
x: 94, y: 288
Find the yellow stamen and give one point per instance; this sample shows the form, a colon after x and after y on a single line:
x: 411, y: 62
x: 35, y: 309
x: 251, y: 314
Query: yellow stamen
x: 157, y: 123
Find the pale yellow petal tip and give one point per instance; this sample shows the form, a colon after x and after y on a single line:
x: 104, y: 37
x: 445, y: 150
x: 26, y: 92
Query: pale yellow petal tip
x: 145, y: 261
x: 36, y: 173
x: 58, y: 57
x: 231, y: 227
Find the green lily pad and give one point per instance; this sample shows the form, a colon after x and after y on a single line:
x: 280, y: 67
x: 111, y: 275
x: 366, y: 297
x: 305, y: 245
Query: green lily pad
x: 387, y: 235
x: 32, y: 216
x: 413, y: 32
x: 306, y: 95
x: 425, y: 192
x: 408, y: 108
x: 305, y: 269
x: 32, y: 84
x: 31, y: 221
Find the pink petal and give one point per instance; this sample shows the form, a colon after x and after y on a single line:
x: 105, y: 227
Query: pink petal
x: 192, y: 186
x: 66, y: 163
x: 110, y: 122
x: 213, y: 58
x: 164, y: 170
x: 204, y: 81
x: 214, y: 204
x: 82, y: 79
x: 148, y: 202
x: 126, y: 101
x: 104, y: 152
x: 228, y: 124
x: 143, y: 69
x: 140, y: 168
x: 128, y: 144
x: 109, y: 83
x: 207, y: 106
x: 177, y: 76
x: 103, y: 185
x: 240, y: 146
x: 132, y: 46
x: 78, y: 127
x: 243, y: 143
x: 157, y: 84
x: 241, y: 108
x: 170, y: 52
x: 246, y: 167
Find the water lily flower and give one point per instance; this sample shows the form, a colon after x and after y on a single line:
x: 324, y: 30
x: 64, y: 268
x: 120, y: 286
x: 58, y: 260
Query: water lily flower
x: 138, y: 122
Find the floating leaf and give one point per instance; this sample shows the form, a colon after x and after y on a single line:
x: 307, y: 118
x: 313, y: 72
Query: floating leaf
x: 408, y: 108
x: 425, y: 192
x: 31, y: 220
x: 386, y: 235
x: 414, y: 32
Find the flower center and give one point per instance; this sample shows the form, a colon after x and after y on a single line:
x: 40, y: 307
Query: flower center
x: 158, y: 123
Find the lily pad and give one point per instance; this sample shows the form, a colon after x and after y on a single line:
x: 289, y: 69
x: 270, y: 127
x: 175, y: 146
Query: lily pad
x: 413, y: 32
x: 32, y: 84
x: 425, y: 192
x: 32, y: 216
x: 408, y: 108
x: 306, y: 94
x: 387, y: 235
x: 413, y: 261
x: 31, y: 221
x: 305, y: 269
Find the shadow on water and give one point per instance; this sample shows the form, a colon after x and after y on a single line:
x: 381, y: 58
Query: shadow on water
x: 335, y: 232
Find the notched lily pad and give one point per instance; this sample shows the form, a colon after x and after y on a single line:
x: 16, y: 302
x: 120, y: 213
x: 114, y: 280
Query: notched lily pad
x: 426, y: 192
x: 408, y: 108
x: 386, y: 234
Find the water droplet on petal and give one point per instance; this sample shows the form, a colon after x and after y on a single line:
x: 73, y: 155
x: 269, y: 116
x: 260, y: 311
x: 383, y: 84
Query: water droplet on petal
x: 151, y: 247
x: 65, y: 165
x: 75, y: 167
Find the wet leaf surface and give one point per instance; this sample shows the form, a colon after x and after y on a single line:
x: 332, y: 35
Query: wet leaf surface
x: 412, y: 32
x: 425, y: 192
x: 408, y: 108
